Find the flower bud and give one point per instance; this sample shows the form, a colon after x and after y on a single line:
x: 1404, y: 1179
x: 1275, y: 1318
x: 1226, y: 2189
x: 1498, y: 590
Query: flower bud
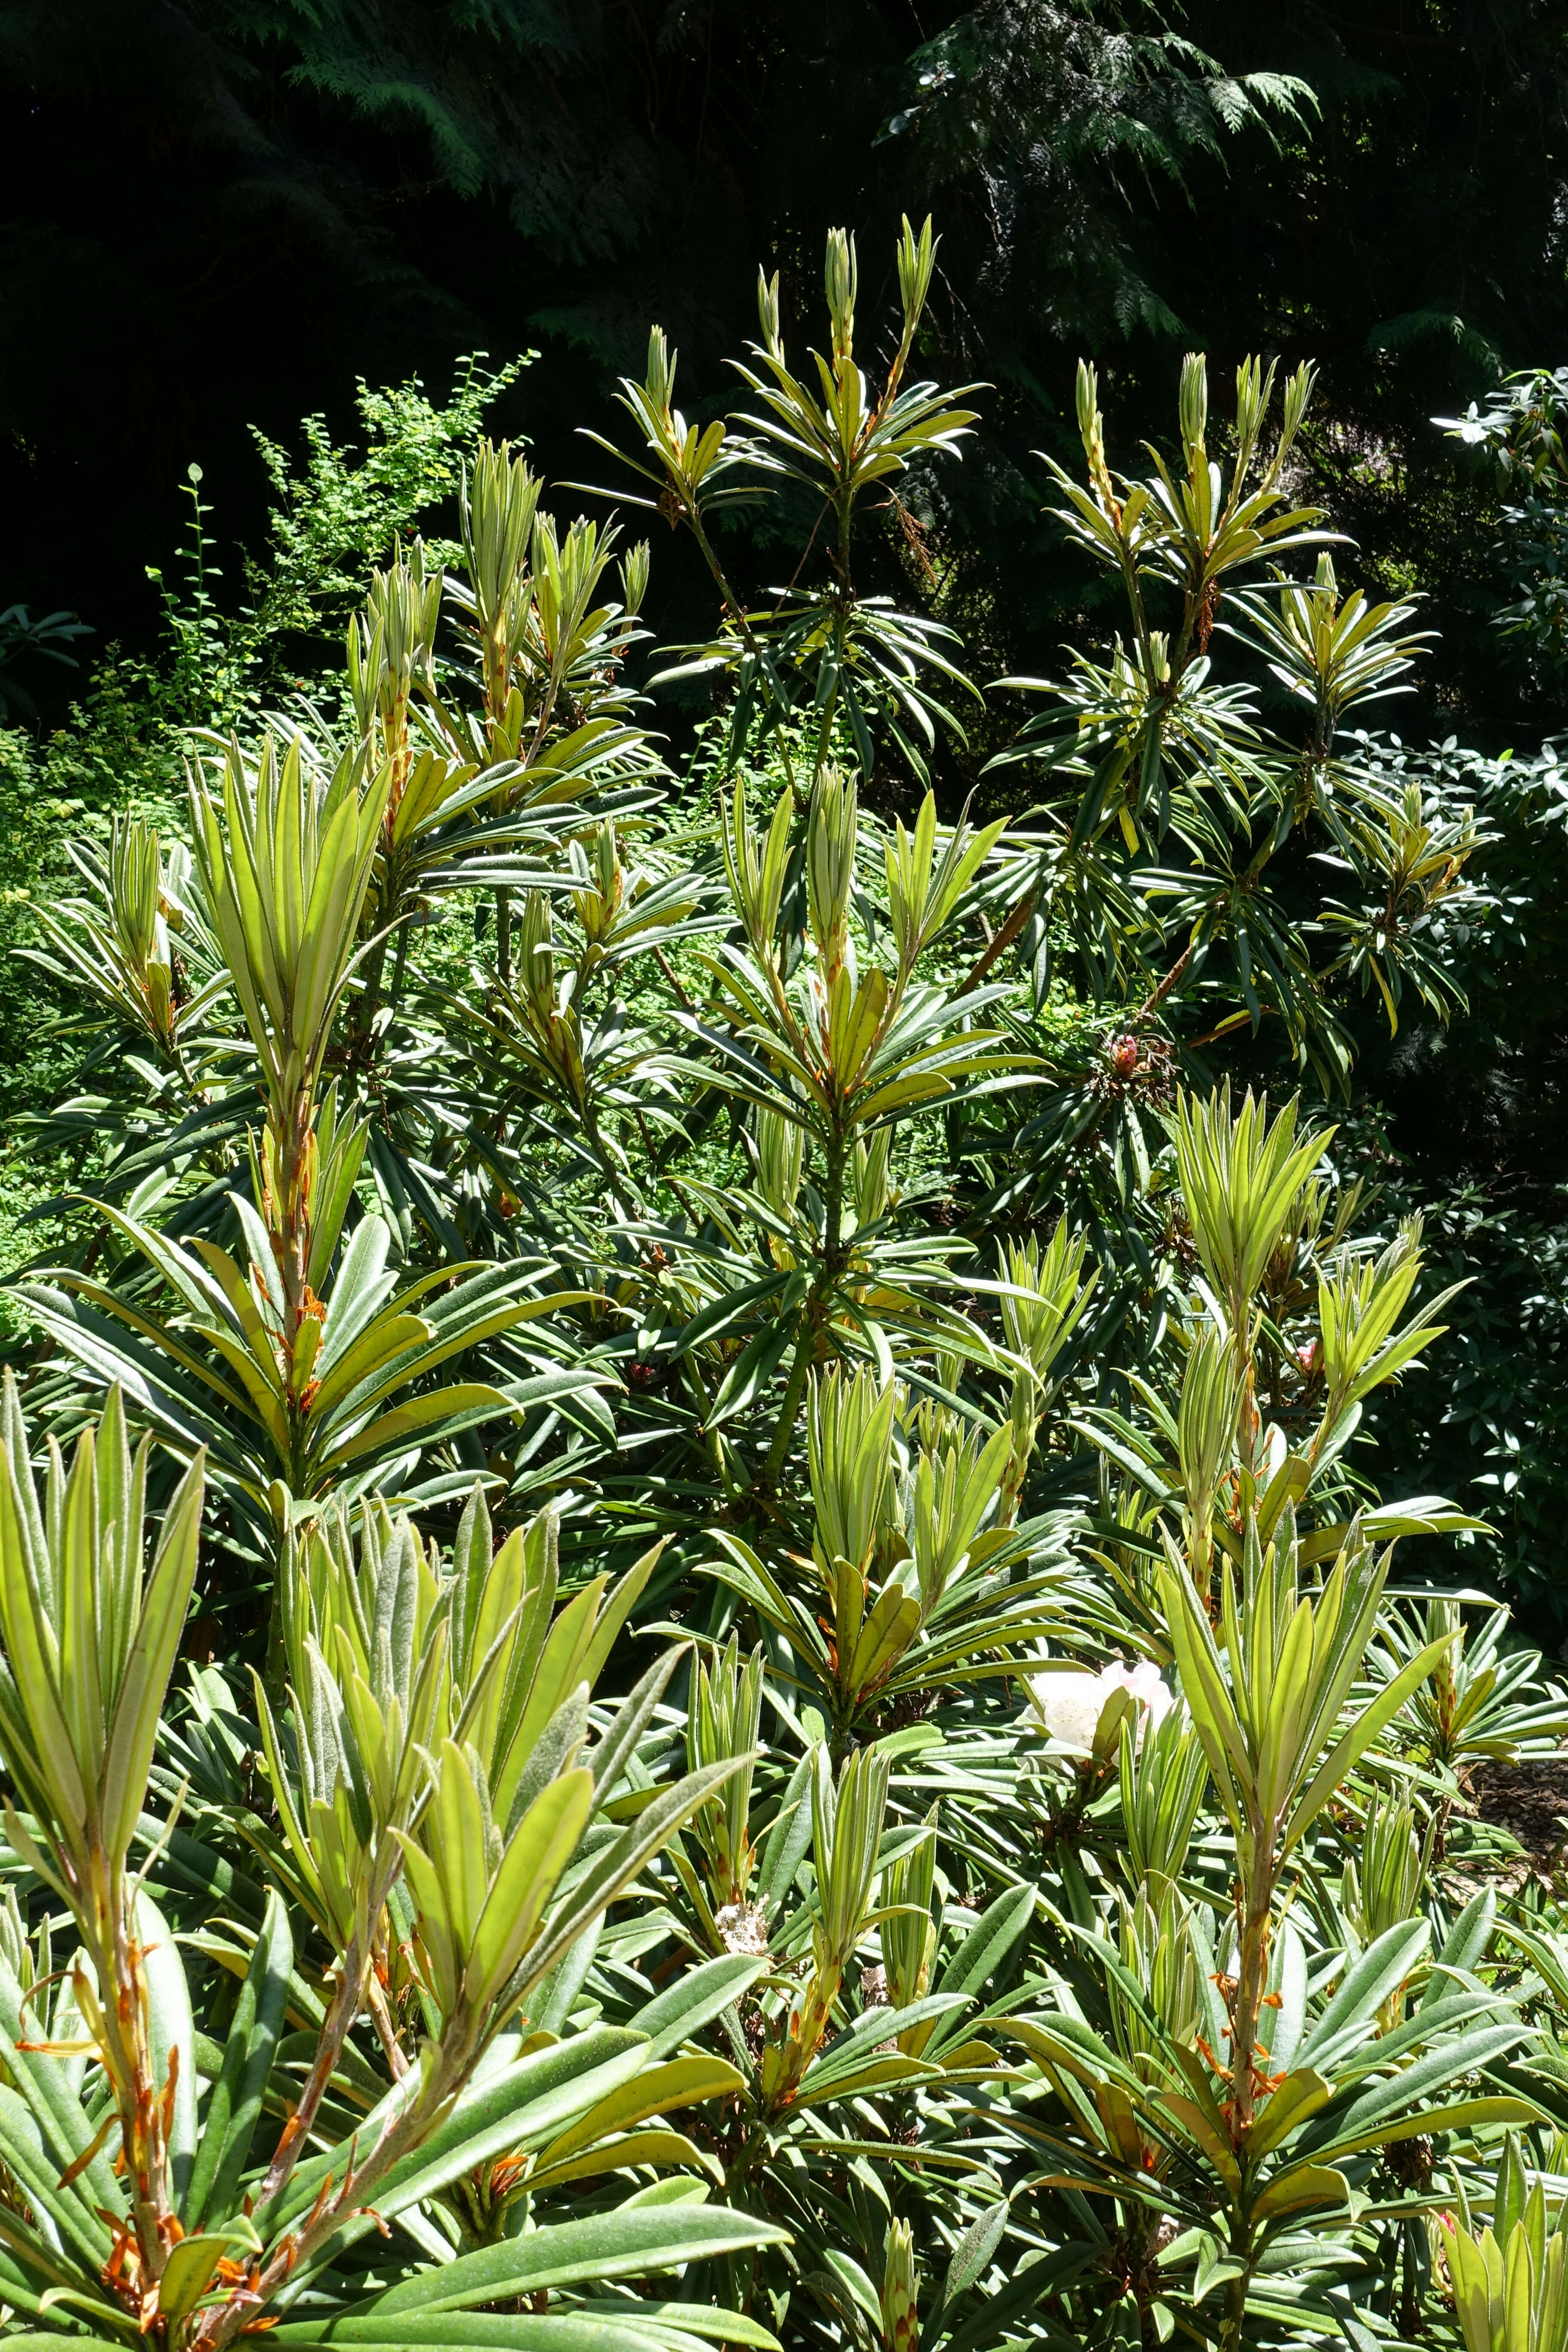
x: 900, y: 2290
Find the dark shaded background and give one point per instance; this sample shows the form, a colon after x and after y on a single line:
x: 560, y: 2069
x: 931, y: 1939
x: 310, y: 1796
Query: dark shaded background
x: 220, y: 215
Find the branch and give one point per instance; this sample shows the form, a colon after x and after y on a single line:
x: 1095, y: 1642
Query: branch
x: 1002, y: 940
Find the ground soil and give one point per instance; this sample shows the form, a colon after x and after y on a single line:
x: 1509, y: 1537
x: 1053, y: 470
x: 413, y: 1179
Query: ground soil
x: 1528, y: 1801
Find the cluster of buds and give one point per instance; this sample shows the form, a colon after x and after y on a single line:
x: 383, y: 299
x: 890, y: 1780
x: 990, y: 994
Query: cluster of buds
x: 1131, y: 1064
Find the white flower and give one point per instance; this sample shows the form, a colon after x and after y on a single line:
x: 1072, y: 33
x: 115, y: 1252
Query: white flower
x: 1070, y: 1704
x: 1069, y: 1707
x: 1147, y: 1686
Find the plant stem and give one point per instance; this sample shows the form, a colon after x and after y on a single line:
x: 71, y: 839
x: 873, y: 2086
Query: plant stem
x: 783, y: 1428
x: 602, y: 1153
x: 295, y: 1154
x: 813, y: 1314
x: 1152, y: 1002
x: 140, y: 2097
x: 400, y: 961
x: 1002, y: 942
x: 1252, y: 1983
x: 504, y: 935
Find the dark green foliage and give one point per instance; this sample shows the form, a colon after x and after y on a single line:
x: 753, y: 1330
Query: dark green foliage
x: 1478, y: 1112
x: 1517, y: 434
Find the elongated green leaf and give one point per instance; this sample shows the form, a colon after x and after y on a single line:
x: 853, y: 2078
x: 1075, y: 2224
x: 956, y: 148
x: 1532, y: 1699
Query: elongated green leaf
x: 234, y: 2101
x: 716, y: 1318
x: 693, y: 2318
x: 1457, y: 2115
x: 439, y: 1412
x: 1380, y: 1970
x: 1301, y: 2188
x: 187, y: 2275
x: 750, y: 1374
x: 1298, y: 2095
x: 554, y: 2331
x: 625, y: 2244
x: 46, y: 2087
x: 973, y: 2254
x: 150, y: 1662
x: 662, y: 2089
x: 172, y: 2039
x: 987, y: 1946
x: 845, y: 2056
x: 520, y: 2107
x: 694, y: 2000
x: 86, y: 2241
x: 542, y: 1845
